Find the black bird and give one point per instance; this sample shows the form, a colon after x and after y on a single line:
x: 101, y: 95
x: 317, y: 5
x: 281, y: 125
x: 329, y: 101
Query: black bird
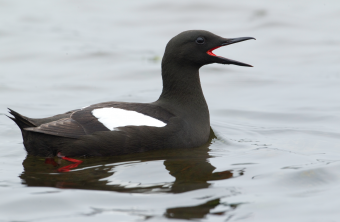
x: 178, y: 119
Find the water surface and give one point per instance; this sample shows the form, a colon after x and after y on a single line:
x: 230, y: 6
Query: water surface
x: 274, y: 153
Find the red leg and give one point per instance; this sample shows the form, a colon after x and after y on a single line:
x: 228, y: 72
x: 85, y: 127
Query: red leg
x: 68, y: 167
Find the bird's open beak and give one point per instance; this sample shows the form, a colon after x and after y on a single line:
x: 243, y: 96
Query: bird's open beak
x: 229, y: 42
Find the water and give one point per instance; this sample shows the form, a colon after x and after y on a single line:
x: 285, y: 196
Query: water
x: 276, y: 153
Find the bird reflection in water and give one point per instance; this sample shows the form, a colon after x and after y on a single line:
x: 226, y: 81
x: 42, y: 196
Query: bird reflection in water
x: 190, y: 167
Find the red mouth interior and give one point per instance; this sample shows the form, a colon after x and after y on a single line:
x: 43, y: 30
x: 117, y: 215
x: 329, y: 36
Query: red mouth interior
x: 210, y: 51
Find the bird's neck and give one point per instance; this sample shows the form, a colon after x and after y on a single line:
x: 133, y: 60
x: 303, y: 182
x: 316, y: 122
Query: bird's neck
x: 181, y: 85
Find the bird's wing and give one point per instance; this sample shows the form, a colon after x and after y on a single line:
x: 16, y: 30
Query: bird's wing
x: 83, y: 122
x: 65, y: 127
x: 91, y: 123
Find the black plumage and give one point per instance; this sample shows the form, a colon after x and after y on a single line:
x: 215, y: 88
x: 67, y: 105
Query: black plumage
x: 181, y: 106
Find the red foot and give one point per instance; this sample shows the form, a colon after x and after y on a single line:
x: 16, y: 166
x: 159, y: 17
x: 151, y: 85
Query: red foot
x: 68, y: 167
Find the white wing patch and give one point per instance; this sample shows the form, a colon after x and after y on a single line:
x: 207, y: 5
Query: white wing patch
x: 112, y: 118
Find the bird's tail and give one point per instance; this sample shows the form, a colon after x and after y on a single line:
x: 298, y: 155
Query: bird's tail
x: 20, y: 120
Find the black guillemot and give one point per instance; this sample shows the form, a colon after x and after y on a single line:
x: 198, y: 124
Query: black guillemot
x: 178, y: 119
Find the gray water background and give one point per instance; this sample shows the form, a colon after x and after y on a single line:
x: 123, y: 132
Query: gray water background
x: 277, y: 153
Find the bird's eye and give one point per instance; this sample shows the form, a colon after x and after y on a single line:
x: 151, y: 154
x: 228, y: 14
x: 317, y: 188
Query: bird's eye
x: 200, y: 40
